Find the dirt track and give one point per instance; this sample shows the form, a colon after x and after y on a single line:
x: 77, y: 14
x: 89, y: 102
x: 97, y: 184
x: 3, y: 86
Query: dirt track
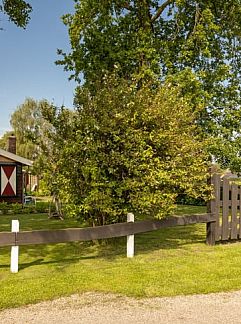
x: 99, y: 308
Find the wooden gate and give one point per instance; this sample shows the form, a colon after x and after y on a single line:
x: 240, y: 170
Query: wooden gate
x: 226, y: 206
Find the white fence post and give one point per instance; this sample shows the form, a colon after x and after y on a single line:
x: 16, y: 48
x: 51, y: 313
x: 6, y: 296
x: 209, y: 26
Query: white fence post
x: 130, y: 238
x: 14, y: 249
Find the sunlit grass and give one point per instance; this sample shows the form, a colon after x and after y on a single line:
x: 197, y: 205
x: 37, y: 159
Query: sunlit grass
x: 167, y: 262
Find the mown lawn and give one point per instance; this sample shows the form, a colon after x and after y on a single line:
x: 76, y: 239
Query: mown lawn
x: 167, y: 262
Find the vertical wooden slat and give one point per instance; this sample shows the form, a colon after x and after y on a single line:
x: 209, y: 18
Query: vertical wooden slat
x: 211, y: 208
x: 225, y: 211
x: 210, y: 233
x: 216, y: 204
x: 234, y: 205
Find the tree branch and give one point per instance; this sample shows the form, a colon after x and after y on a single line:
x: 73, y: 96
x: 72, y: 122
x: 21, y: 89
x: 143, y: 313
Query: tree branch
x: 196, y: 21
x: 160, y: 10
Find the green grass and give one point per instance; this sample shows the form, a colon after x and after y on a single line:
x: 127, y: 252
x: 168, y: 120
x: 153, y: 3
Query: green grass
x: 167, y: 262
x: 30, y: 222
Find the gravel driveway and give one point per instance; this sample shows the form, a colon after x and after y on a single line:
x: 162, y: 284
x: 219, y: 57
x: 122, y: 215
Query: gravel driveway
x: 108, y: 308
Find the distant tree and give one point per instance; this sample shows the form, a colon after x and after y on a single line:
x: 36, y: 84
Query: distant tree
x: 4, y: 139
x: 126, y: 149
x: 30, y: 129
x: 29, y: 125
x: 18, y: 11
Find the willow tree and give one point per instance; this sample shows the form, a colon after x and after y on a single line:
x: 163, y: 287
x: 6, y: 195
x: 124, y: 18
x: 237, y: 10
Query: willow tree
x: 194, y: 41
x: 29, y: 127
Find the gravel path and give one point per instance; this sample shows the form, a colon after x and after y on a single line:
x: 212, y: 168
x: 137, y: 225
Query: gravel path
x: 100, y: 308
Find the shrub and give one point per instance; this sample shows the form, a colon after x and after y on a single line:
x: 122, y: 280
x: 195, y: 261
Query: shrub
x: 4, y: 207
x: 127, y: 149
x: 42, y: 206
x: 16, y: 208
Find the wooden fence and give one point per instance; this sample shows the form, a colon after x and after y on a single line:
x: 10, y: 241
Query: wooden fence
x: 226, y: 207
x: 223, y: 222
x: 101, y: 232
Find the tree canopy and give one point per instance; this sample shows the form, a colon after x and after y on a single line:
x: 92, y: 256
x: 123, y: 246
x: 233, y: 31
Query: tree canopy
x: 155, y: 39
x: 30, y: 129
x: 29, y: 126
x: 125, y: 149
x: 18, y: 11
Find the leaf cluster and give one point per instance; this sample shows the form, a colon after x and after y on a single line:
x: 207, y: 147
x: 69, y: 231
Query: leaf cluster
x: 18, y: 11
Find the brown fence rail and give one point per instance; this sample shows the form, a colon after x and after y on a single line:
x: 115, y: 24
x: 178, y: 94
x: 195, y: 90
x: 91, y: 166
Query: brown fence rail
x: 102, y: 232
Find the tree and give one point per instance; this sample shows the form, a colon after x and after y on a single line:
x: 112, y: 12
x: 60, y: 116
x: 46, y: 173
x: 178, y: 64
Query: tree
x: 29, y: 126
x: 4, y: 140
x: 152, y: 38
x: 18, y: 11
x: 126, y: 149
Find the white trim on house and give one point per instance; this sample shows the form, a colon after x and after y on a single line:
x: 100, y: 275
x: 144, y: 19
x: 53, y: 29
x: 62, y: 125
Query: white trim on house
x: 15, y: 157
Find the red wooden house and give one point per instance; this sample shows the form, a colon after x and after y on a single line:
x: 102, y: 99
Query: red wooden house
x: 11, y: 174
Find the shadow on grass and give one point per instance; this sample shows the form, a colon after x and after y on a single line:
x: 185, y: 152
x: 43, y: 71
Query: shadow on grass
x: 45, y: 262
x: 64, y: 262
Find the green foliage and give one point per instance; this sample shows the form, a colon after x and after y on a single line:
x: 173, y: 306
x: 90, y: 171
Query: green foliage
x: 127, y: 149
x: 30, y: 129
x: 4, y: 140
x: 18, y: 11
x: 43, y: 206
x: 184, y: 199
x: 15, y: 208
x: 4, y: 207
x: 28, y: 126
x: 154, y: 38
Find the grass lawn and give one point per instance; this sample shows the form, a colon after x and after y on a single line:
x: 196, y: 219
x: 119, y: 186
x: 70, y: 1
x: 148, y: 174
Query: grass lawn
x: 167, y: 262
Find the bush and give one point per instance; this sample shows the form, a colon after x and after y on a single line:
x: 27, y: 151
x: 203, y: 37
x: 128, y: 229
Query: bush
x: 183, y: 199
x: 4, y: 207
x: 16, y: 208
x: 128, y: 149
x: 42, y: 206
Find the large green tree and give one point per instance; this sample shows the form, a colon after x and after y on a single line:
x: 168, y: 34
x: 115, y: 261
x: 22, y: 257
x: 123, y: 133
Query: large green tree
x: 125, y: 149
x: 18, y: 11
x: 151, y: 38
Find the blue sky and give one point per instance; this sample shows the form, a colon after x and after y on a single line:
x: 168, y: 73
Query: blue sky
x: 27, y: 57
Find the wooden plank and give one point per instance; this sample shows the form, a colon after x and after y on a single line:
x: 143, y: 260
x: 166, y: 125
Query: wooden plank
x: 213, y: 207
x: 229, y: 203
x: 215, y: 204
x: 7, y: 239
x: 108, y: 231
x: 230, y: 177
x: 225, y: 210
x: 234, y: 208
x: 211, y: 233
x: 217, y: 182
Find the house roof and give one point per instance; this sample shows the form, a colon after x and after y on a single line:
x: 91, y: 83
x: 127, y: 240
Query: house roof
x: 15, y: 157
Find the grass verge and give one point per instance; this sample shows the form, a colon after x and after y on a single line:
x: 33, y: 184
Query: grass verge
x: 167, y: 262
